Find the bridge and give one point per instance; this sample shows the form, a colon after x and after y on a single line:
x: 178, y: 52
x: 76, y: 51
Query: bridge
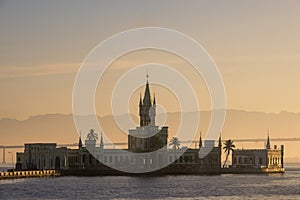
x: 195, y: 142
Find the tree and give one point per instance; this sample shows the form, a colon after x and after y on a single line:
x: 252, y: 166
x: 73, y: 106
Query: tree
x: 92, y: 135
x: 228, y: 147
x: 175, y: 143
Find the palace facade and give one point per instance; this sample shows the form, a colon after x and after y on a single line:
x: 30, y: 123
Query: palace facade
x: 267, y: 159
x: 147, y: 137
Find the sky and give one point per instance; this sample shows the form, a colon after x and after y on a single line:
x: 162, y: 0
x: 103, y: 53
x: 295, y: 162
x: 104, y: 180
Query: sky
x: 255, y: 44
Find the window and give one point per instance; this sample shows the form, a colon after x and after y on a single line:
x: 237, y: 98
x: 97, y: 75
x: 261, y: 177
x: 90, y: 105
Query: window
x: 251, y: 160
x: 240, y: 160
x: 234, y: 160
x: 260, y: 160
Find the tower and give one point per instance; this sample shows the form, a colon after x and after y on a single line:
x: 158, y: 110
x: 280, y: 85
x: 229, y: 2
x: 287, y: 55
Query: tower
x: 147, y: 137
x: 146, y: 108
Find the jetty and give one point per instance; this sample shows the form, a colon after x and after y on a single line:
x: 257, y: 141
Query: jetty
x: 29, y: 174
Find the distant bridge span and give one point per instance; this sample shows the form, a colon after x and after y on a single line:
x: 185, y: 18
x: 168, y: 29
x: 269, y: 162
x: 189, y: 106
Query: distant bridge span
x: 195, y: 142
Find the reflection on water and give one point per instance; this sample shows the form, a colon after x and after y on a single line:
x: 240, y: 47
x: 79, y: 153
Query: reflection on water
x: 273, y: 186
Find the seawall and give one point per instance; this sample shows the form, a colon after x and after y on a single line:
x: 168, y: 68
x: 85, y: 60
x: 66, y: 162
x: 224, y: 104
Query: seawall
x: 29, y: 174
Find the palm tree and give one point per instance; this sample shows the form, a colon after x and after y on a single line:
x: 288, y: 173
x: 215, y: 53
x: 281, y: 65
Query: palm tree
x: 228, y: 147
x: 175, y: 143
x: 92, y: 135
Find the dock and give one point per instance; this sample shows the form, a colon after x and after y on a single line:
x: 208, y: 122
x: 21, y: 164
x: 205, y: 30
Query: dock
x: 29, y: 174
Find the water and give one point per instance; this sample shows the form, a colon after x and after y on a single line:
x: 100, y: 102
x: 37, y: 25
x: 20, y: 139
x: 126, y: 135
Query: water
x: 275, y: 186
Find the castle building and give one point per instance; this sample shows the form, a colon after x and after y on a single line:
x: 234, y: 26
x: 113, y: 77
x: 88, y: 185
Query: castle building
x: 42, y: 156
x: 147, y: 137
x: 268, y: 159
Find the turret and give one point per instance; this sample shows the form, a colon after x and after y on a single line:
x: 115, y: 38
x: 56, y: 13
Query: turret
x: 80, y: 142
x: 200, y: 141
x: 101, y: 141
x: 152, y: 111
x: 220, y: 141
x: 268, y: 145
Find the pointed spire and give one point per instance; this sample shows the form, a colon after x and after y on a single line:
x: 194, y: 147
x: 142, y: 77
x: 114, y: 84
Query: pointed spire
x: 101, y: 141
x: 80, y: 142
x: 147, y: 74
x: 147, y: 96
x: 200, y: 140
x: 268, y: 145
x: 220, y: 140
x: 141, y: 103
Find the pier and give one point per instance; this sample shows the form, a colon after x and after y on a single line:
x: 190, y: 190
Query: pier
x: 29, y: 174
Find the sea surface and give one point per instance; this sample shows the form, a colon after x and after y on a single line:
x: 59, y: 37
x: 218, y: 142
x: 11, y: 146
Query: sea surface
x: 273, y: 186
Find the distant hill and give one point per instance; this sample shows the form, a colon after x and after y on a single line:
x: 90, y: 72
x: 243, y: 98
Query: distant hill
x: 60, y: 128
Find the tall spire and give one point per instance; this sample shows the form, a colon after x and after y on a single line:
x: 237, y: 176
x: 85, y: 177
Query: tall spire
x: 141, y: 103
x: 268, y: 145
x: 147, y: 74
x: 146, y: 107
x: 101, y: 141
x: 80, y: 142
x: 147, y: 96
x: 220, y: 140
x: 200, y: 140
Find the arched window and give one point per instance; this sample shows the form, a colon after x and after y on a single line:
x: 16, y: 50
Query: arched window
x: 234, y: 160
x: 240, y: 160
x: 57, y: 163
x: 83, y: 159
x: 260, y: 160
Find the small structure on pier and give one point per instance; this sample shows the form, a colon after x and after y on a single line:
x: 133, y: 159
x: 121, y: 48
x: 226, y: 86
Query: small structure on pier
x: 38, y: 156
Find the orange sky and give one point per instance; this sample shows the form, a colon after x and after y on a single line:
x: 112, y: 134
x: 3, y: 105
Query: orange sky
x: 255, y: 44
